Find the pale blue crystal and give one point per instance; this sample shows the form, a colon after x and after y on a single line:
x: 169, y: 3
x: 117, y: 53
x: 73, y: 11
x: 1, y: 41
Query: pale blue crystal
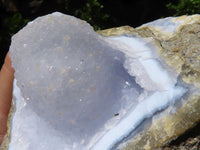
x: 75, y: 89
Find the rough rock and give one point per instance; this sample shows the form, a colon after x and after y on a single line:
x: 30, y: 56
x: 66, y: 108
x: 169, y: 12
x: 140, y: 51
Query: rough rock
x: 123, y: 89
x: 178, y: 42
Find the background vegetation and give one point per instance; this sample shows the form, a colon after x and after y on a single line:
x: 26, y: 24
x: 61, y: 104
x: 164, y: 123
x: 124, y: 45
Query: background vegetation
x: 184, y: 7
x: 101, y: 14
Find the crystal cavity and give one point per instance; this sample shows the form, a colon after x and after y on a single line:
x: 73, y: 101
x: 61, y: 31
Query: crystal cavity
x: 71, y: 82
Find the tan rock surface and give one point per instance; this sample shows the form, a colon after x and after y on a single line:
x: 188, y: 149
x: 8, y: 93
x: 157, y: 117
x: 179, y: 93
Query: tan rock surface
x: 180, y: 50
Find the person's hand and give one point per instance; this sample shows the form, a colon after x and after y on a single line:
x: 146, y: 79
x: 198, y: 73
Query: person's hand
x: 6, y: 87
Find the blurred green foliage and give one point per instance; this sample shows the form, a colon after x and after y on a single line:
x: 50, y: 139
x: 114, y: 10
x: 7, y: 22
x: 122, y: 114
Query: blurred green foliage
x: 184, y: 7
x: 14, y: 23
x: 9, y: 25
x: 92, y: 13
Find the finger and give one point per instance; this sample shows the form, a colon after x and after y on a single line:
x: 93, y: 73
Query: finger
x: 6, y: 87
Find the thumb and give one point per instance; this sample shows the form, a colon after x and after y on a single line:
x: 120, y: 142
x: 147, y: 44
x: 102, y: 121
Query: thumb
x: 6, y: 87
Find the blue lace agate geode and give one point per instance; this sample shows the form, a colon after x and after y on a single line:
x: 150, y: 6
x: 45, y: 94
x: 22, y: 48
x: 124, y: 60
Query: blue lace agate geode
x: 75, y: 89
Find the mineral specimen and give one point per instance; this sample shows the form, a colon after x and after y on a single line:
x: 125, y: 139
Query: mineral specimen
x: 76, y: 89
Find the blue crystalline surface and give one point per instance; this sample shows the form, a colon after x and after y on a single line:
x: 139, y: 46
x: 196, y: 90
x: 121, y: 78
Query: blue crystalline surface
x: 71, y: 79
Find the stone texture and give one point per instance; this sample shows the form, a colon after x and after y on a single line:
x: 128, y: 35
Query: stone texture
x: 180, y: 50
x: 168, y: 106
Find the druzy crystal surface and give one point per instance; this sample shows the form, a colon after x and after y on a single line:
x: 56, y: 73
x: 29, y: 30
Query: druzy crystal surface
x: 75, y: 89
